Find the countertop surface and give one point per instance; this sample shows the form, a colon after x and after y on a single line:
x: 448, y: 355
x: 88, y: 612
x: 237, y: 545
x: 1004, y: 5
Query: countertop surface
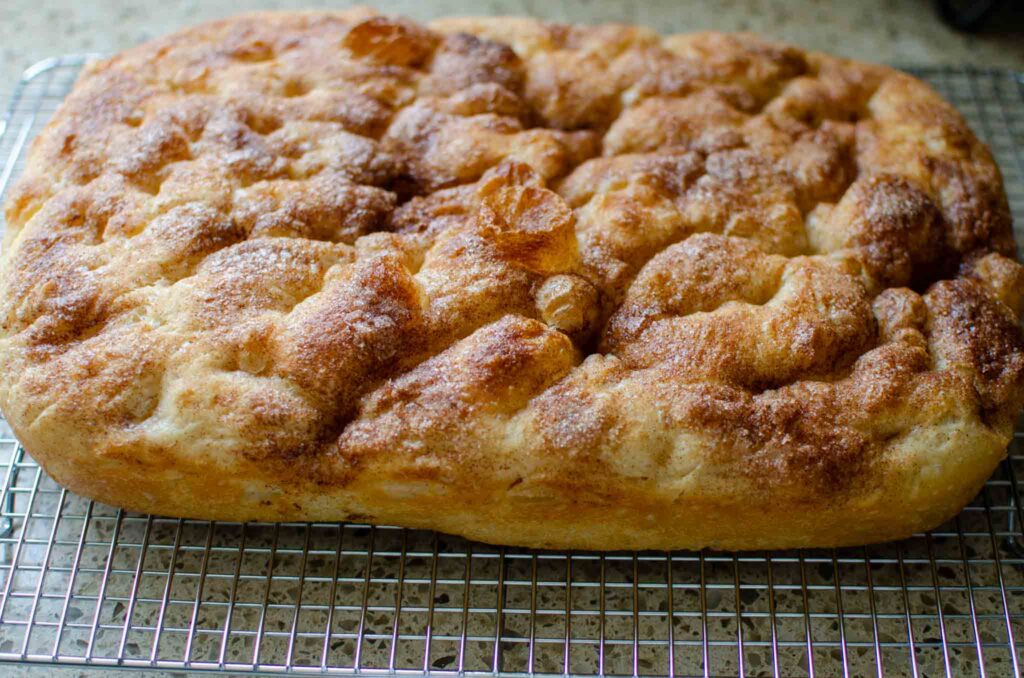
x: 902, y: 33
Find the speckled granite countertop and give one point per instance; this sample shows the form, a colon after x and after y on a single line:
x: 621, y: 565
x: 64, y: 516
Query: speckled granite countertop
x: 906, y: 32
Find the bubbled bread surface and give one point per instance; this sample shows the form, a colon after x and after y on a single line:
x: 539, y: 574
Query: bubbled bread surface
x: 538, y: 284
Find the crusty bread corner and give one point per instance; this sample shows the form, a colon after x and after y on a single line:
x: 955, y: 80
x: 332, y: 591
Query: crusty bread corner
x: 534, y: 284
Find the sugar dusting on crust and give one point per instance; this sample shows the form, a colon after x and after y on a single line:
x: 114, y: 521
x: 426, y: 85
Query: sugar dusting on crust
x: 534, y: 260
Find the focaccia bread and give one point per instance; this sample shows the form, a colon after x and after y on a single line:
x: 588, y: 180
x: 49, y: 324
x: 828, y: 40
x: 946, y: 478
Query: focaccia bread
x: 535, y: 284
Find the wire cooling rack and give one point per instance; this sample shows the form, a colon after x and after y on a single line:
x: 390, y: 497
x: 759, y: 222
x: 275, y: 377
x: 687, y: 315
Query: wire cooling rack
x: 83, y: 583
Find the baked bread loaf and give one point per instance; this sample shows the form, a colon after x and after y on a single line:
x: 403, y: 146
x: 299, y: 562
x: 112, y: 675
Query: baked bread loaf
x: 535, y: 284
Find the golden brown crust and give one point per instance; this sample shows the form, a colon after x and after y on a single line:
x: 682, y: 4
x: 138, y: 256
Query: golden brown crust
x: 566, y: 286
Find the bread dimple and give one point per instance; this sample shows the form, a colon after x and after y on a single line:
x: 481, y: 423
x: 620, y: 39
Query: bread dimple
x: 344, y: 257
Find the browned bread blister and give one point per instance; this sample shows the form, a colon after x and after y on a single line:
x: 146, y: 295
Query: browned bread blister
x: 537, y: 284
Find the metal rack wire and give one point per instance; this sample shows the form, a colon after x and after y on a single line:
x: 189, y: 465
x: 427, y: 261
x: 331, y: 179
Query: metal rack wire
x: 82, y: 583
